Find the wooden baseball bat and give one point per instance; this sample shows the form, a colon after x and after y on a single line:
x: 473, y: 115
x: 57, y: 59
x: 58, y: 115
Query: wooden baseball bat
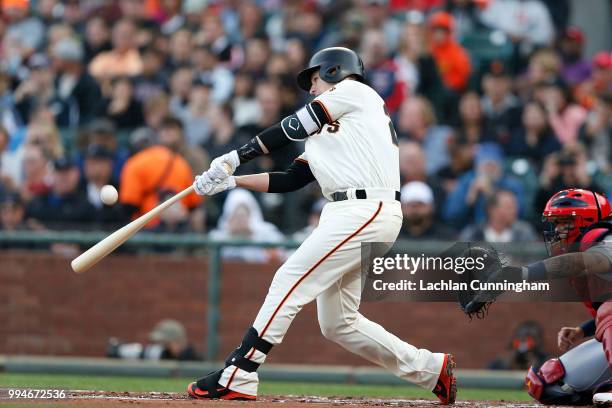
x: 94, y: 254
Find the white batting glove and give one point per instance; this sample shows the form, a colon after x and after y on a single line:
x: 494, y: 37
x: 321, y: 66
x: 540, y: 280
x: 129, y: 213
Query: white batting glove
x: 226, y: 184
x: 218, y: 171
x: 204, y: 185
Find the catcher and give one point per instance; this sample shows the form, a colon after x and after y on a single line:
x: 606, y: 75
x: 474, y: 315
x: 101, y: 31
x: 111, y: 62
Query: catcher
x: 580, y: 240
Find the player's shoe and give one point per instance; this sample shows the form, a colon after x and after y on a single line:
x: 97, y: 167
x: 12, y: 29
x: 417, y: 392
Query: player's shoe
x: 446, y: 388
x: 209, y: 388
x: 603, y: 399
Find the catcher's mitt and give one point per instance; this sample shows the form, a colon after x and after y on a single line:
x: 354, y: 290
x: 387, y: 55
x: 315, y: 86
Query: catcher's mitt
x: 475, y: 303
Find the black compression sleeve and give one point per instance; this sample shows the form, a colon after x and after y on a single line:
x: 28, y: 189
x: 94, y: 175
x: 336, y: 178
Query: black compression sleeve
x: 272, y: 138
x: 588, y: 328
x: 297, y: 176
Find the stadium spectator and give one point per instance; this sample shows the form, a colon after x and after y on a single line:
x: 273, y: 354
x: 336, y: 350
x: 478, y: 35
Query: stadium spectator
x: 451, y: 58
x: 250, y: 21
x: 7, y: 177
x: 502, y: 223
x: 74, y: 15
x: 473, y: 127
x: 525, y: 349
x: 417, y: 121
x: 153, y: 80
x: 466, y: 14
x: 43, y: 135
x: 527, y: 22
x: 97, y: 37
x: 24, y: 34
x: 66, y: 204
x: 383, y: 72
x: 297, y: 54
x: 576, y: 68
x: 242, y: 219
x: 256, y: 54
x: 544, y: 65
x: 171, y: 135
x: 37, y: 90
x: 416, y: 66
x: 172, y: 336
x: 10, y: 118
x: 173, y: 19
x: 564, y: 116
x: 121, y: 107
x: 244, y: 105
x: 48, y: 12
x: 196, y: 116
x: 77, y: 93
x: 208, y: 69
x: 123, y: 59
x: 378, y: 17
x: 12, y: 213
x: 535, y: 138
x: 181, y: 46
x: 155, y: 109
x: 149, y: 174
x: 600, y: 82
x: 180, y: 89
x: 420, y: 222
x: 466, y: 203
x: 567, y: 169
x: 212, y: 34
x: 413, y: 168
x: 36, y: 173
x: 596, y: 133
x: 97, y: 172
x: 222, y: 132
x: 501, y: 108
x: 168, y: 341
x: 103, y: 132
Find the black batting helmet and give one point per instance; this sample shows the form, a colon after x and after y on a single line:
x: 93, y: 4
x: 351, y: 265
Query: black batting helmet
x: 335, y: 64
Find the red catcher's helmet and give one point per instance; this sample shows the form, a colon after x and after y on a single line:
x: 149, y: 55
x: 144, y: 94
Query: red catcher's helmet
x: 577, y: 209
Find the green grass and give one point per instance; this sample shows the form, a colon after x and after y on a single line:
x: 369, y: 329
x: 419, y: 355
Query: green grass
x: 140, y: 384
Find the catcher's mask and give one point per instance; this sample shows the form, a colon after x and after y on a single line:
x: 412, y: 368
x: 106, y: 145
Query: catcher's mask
x: 568, y: 214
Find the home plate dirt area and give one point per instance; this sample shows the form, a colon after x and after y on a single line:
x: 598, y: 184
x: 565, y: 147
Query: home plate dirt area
x: 167, y: 399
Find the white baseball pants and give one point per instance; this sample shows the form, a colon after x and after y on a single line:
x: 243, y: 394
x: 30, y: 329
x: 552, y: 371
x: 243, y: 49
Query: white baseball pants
x: 326, y: 267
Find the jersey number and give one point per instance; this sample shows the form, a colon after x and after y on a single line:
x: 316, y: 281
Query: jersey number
x: 391, y: 128
x: 331, y: 128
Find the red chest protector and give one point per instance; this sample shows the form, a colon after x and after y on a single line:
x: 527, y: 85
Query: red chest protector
x: 592, y: 285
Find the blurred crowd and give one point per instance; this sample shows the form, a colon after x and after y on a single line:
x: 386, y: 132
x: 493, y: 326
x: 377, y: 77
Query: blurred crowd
x: 494, y: 103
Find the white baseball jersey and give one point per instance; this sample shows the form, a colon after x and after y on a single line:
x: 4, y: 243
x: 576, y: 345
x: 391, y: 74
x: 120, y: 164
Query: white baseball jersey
x: 359, y: 148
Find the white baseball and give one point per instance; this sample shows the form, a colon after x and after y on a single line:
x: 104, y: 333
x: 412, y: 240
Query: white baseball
x: 109, y: 194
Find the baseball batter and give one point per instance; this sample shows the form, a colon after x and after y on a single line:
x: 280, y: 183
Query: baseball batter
x: 351, y: 151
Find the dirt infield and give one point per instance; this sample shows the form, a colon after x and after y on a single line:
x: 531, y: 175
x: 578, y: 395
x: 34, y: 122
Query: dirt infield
x: 166, y: 399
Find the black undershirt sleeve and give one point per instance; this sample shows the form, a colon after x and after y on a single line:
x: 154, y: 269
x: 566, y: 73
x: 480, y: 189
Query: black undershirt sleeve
x: 297, y: 176
x: 273, y: 138
x: 588, y: 328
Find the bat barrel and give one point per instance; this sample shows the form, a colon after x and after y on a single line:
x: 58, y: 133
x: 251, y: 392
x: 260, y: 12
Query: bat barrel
x: 97, y: 252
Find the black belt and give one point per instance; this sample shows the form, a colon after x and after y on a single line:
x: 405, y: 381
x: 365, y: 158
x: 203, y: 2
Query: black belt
x: 359, y: 194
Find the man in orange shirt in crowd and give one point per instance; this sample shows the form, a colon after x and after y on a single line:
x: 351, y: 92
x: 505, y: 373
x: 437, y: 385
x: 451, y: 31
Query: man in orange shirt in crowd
x: 451, y: 58
x: 153, y: 173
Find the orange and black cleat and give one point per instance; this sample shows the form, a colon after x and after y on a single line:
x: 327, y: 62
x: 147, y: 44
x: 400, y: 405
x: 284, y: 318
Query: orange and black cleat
x: 209, y: 388
x: 446, y: 388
